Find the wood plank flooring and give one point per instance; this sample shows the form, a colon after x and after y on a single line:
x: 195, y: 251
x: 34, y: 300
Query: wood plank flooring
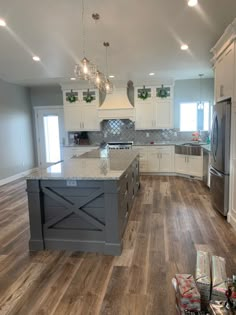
x: 172, y: 217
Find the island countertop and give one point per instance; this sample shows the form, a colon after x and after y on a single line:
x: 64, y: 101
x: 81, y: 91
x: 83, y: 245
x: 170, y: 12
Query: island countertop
x: 94, y: 165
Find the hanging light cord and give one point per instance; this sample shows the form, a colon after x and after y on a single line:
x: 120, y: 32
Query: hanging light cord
x: 106, y: 63
x: 83, y: 28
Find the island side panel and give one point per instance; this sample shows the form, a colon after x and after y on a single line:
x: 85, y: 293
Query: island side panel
x: 74, y: 215
x: 36, y: 241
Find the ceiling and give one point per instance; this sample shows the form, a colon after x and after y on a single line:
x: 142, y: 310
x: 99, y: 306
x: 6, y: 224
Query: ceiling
x: 145, y: 36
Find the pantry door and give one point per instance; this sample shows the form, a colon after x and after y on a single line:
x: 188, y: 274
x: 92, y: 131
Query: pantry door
x: 50, y: 134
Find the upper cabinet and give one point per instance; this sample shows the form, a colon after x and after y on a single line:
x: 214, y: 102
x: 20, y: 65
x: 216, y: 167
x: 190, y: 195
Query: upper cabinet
x: 81, y: 110
x: 224, y: 74
x: 156, y: 110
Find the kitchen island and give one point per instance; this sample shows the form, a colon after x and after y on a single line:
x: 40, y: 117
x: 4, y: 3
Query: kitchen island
x: 83, y: 204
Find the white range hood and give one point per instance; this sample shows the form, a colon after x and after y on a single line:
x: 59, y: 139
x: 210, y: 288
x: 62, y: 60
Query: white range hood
x: 116, y: 106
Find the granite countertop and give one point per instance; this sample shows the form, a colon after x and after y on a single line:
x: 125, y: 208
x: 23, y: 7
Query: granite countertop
x: 160, y: 143
x: 94, y: 165
x: 206, y: 147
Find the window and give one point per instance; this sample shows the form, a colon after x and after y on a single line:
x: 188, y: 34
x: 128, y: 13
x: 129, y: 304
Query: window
x: 194, y: 117
x: 52, y: 139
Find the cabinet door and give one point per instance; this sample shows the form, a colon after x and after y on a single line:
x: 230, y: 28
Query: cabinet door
x: 90, y: 118
x: 195, y: 165
x: 163, y: 114
x: 73, y: 117
x: 144, y: 116
x: 165, y: 157
x: 224, y: 74
x: 181, y: 165
x: 143, y: 158
x: 153, y: 160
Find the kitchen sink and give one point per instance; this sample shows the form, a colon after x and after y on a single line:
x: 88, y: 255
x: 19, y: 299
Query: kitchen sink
x: 192, y: 144
x: 189, y: 149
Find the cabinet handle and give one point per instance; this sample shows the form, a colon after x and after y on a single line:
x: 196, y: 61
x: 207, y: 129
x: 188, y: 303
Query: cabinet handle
x: 185, y: 159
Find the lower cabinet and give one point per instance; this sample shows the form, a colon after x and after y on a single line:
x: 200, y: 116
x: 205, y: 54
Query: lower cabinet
x: 162, y: 159
x: 189, y: 165
x: 155, y: 159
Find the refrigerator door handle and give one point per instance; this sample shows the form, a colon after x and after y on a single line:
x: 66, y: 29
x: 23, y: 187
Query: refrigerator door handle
x: 214, y: 172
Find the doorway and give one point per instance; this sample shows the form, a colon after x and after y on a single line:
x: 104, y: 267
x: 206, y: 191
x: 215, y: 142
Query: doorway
x: 50, y: 134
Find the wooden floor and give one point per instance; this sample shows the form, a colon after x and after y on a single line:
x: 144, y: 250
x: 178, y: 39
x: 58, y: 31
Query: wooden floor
x: 171, y: 219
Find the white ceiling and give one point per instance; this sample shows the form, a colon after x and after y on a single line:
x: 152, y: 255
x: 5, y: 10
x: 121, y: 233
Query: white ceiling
x: 145, y: 36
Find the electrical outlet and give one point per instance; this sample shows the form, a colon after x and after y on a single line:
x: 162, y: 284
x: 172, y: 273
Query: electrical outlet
x: 147, y: 134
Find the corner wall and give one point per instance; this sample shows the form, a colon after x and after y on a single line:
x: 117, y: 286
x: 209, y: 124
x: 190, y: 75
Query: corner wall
x: 16, y: 141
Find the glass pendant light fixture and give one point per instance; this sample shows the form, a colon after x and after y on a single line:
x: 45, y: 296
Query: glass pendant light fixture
x: 107, y: 84
x: 200, y: 105
x: 85, y: 70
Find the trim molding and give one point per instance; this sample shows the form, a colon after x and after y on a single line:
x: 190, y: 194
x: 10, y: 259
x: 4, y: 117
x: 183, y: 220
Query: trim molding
x: 232, y: 220
x: 10, y: 179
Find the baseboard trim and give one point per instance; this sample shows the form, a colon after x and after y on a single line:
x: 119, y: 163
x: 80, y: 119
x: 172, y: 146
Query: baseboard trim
x: 171, y: 174
x: 10, y: 179
x: 232, y: 221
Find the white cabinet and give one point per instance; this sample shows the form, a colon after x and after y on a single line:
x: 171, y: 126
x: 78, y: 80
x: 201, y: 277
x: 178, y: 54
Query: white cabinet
x: 158, y: 159
x: 144, y: 115
x: 143, y: 158
x: 164, y: 113
x: 189, y: 165
x: 81, y: 116
x: 224, y: 74
x: 70, y: 152
x: 154, y: 112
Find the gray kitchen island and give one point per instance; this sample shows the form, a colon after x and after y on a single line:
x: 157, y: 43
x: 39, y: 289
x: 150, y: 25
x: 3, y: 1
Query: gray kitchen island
x: 83, y: 204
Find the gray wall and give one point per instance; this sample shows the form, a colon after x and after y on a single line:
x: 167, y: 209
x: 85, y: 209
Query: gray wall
x: 189, y: 91
x: 46, y: 95
x: 16, y: 142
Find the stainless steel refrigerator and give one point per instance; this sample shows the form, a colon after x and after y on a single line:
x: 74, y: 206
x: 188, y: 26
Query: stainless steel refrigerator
x: 220, y: 156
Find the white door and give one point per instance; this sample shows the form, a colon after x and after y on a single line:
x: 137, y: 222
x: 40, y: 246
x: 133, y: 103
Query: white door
x: 90, y: 118
x: 153, y: 161
x: 165, y: 161
x: 50, y: 135
x: 181, y: 165
x: 144, y: 119
x: 195, y: 165
x: 164, y: 114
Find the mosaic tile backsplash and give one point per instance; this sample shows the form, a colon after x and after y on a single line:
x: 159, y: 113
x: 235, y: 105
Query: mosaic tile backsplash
x: 124, y: 130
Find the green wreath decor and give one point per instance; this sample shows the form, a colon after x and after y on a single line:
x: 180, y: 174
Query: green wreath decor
x: 71, y: 97
x: 89, y: 97
x: 143, y: 94
x: 162, y: 92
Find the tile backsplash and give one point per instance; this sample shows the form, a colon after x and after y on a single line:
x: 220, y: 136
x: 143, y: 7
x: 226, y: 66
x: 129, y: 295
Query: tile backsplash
x: 124, y: 130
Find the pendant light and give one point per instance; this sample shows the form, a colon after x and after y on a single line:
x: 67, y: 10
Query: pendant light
x: 107, y: 84
x: 85, y: 70
x: 200, y: 105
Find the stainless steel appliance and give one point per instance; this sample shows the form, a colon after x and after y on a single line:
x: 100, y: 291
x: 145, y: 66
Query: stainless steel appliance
x: 120, y: 145
x: 220, y: 156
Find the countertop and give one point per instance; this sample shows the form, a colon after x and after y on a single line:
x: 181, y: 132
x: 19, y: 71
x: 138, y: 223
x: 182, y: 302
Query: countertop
x: 206, y: 147
x: 161, y: 143
x: 94, y: 165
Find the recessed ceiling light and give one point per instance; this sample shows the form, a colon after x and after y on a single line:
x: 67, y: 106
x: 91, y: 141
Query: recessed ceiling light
x: 36, y: 58
x: 184, y: 47
x: 111, y: 76
x: 2, y: 23
x: 151, y: 73
x: 73, y: 79
x: 192, y: 3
